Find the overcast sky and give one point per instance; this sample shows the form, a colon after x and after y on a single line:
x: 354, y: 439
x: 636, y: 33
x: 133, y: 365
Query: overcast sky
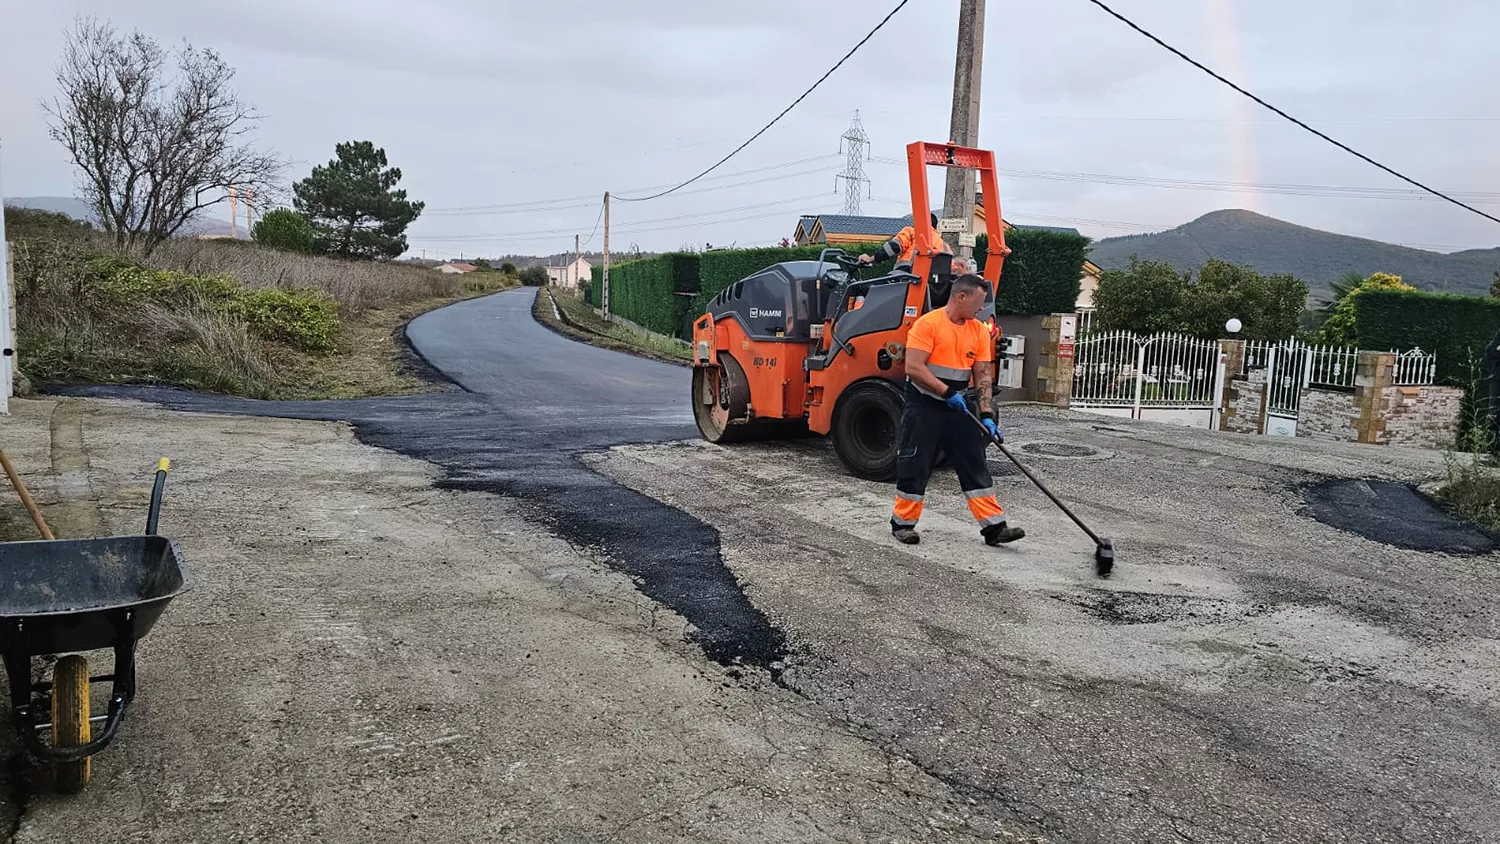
x: 501, y: 103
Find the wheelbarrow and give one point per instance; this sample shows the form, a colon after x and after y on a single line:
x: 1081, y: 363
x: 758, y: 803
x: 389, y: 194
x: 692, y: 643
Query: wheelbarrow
x: 63, y: 596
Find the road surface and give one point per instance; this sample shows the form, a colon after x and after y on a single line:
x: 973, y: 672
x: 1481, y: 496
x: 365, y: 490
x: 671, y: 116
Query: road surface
x: 1264, y: 666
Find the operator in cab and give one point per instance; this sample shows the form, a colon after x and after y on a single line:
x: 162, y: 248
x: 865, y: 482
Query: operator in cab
x: 947, y: 349
x: 903, y: 247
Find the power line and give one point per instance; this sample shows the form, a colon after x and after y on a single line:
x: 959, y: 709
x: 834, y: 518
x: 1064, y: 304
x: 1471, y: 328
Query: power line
x: 590, y: 238
x: 1230, y: 187
x: 775, y: 120
x: 1345, y: 147
x: 556, y: 203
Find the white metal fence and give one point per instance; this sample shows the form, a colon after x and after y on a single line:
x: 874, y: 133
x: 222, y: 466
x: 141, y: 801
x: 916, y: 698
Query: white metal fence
x: 1168, y: 376
x: 1416, y: 368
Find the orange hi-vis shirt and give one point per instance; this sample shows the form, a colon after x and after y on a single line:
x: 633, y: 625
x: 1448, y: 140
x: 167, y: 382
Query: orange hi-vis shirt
x: 952, y: 350
x: 907, y: 240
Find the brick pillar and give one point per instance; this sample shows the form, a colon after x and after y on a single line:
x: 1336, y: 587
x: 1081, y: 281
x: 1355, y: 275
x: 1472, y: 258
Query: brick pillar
x: 1054, y: 373
x: 1373, y: 374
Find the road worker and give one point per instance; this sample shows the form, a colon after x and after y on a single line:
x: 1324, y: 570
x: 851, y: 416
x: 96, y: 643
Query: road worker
x: 903, y: 247
x: 947, y: 349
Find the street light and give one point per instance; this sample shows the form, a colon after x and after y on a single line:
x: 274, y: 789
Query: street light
x: 1233, y: 326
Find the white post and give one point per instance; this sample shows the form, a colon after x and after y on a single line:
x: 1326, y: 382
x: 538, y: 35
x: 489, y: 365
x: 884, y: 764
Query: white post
x: 1217, y: 413
x: 7, y: 323
x: 1140, y: 378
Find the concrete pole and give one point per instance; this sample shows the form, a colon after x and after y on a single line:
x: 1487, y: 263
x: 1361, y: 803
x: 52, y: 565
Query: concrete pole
x: 576, y: 276
x: 604, y: 299
x: 9, y: 366
x: 958, y: 199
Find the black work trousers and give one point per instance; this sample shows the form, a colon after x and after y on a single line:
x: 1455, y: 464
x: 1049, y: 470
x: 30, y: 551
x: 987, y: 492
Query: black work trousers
x: 930, y: 426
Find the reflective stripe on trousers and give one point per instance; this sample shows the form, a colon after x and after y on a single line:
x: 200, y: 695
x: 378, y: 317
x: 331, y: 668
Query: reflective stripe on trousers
x: 985, y: 507
x: 907, y: 511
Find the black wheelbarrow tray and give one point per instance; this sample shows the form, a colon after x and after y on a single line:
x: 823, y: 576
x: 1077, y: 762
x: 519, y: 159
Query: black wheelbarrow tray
x: 63, y: 596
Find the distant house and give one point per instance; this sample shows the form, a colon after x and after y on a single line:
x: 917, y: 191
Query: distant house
x: 570, y: 275
x: 837, y: 229
x: 455, y: 267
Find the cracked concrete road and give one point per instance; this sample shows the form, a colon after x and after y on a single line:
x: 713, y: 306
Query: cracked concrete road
x: 1248, y: 674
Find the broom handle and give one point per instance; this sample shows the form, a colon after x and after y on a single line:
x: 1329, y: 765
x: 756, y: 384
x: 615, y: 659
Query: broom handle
x: 15, y: 481
x: 1034, y: 479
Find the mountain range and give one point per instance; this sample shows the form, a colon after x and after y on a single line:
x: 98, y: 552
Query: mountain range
x: 1273, y: 246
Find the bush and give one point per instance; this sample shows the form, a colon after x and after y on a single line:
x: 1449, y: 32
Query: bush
x: 508, y: 268
x: 535, y: 276
x: 29, y: 223
x: 304, y: 318
x: 1451, y: 326
x: 646, y: 291
x: 284, y: 229
x: 1338, y: 329
x: 1042, y: 274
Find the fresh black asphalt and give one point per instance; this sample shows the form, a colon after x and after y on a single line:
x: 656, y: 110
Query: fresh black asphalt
x: 533, y: 401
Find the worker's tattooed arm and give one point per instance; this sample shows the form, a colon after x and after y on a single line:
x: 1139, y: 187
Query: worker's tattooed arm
x: 984, y: 385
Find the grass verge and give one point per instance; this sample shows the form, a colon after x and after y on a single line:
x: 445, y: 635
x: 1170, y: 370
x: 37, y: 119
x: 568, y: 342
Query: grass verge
x: 579, y: 322
x: 220, y: 316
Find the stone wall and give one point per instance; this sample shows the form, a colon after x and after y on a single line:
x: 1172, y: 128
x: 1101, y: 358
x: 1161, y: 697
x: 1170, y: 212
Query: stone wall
x: 1421, y: 417
x: 1329, y: 416
x: 1244, y: 403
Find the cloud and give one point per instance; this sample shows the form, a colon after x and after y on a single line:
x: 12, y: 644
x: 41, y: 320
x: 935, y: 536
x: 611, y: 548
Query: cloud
x: 495, y: 103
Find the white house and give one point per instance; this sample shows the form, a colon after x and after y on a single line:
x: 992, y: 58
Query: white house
x: 575, y: 274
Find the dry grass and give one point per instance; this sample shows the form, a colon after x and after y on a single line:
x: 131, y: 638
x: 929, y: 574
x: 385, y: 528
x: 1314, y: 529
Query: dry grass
x: 356, y: 285
x: 69, y: 334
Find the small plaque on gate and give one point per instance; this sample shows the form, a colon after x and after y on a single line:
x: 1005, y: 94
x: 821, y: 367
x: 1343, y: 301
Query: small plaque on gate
x: 1064, y: 350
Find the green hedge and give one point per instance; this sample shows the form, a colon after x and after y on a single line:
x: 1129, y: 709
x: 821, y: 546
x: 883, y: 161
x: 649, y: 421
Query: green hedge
x: 1449, y: 325
x: 1042, y: 274
x: 644, y: 291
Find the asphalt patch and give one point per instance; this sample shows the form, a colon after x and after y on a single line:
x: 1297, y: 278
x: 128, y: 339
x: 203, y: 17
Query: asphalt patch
x: 1394, y: 514
x: 673, y: 558
x: 1048, y: 449
x: 1152, y: 608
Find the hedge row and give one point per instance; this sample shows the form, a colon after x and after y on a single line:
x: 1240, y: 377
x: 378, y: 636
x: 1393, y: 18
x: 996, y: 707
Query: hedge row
x: 644, y: 291
x: 1042, y: 274
x: 1449, y: 325
x: 1041, y: 277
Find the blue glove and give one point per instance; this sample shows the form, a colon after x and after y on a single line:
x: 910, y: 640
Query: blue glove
x: 956, y: 401
x: 993, y: 429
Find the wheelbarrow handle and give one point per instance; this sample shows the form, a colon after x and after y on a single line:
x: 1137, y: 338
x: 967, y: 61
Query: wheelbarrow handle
x: 153, y: 515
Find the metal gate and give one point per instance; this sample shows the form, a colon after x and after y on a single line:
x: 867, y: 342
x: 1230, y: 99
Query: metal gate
x: 1291, y: 367
x: 1162, y: 377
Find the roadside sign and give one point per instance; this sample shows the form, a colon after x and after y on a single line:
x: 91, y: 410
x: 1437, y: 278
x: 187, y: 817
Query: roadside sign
x: 966, y: 239
x: 949, y: 225
x: 1064, y: 350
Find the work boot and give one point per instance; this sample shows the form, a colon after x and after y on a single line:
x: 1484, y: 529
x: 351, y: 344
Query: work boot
x: 1001, y: 534
x: 906, y: 535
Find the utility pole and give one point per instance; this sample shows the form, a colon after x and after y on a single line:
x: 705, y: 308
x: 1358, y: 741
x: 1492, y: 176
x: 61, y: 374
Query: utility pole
x: 9, y: 365
x: 249, y: 212
x: 234, y: 214
x: 604, y: 304
x: 576, y: 277
x: 958, y: 199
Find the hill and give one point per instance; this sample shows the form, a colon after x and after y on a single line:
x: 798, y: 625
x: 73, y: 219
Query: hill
x: 1317, y: 257
x: 79, y: 210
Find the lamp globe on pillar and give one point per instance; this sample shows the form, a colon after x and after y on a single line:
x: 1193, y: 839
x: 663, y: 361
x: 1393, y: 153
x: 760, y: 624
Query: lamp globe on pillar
x: 1233, y: 326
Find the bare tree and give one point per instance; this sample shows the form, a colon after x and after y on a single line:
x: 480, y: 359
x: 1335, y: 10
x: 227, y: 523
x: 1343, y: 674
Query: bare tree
x: 153, y: 148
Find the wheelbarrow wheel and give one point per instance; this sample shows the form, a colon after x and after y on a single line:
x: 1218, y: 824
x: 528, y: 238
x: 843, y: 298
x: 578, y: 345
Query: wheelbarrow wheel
x: 70, y: 719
